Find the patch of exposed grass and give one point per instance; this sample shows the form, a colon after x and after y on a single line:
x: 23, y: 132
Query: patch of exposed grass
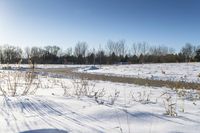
x: 129, y: 80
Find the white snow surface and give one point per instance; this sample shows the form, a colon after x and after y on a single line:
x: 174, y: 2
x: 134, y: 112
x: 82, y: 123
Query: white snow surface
x: 45, y: 66
x: 187, y: 72
x: 49, y: 110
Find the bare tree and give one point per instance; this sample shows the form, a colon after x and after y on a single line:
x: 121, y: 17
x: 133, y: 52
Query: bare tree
x: 52, y: 49
x: 188, y: 51
x: 27, y: 52
x: 99, y: 51
x: 110, y: 47
x: 144, y: 48
x: 139, y: 48
x: 81, y: 49
x: 69, y: 51
x: 11, y: 54
x: 135, y: 49
x: 118, y: 47
x: 1, y: 54
x: 160, y: 50
x: 121, y: 48
x: 36, y: 54
x: 171, y: 50
x: 94, y: 51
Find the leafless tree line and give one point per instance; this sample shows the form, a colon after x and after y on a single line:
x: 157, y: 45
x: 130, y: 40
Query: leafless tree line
x: 118, y: 47
x: 12, y: 54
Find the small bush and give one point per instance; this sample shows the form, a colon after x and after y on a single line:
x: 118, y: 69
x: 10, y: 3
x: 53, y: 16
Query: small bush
x: 169, y: 104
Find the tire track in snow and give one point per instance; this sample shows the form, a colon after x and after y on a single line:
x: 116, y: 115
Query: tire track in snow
x: 6, y: 115
x: 31, y: 108
x: 76, y: 114
x: 59, y: 117
x: 8, y: 107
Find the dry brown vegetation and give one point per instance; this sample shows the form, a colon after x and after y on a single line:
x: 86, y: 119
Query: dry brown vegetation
x: 129, y: 80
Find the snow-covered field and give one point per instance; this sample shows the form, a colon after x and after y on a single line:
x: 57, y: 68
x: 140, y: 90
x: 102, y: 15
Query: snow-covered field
x: 187, y: 72
x: 45, y: 66
x: 73, y: 105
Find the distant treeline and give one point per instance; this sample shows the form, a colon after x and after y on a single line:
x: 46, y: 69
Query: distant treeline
x: 113, y: 53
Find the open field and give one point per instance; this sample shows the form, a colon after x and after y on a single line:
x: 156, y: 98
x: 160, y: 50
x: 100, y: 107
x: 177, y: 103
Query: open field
x: 162, y: 75
x: 186, y: 72
x: 99, y: 66
x: 61, y: 99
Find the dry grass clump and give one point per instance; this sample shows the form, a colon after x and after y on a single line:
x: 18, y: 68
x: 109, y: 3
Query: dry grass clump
x: 141, y: 97
x: 170, y: 104
x: 98, y: 95
x: 114, y: 97
x: 16, y: 82
x: 65, y: 88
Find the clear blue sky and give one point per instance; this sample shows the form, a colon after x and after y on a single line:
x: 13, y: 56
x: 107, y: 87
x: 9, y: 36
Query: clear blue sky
x: 64, y: 22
